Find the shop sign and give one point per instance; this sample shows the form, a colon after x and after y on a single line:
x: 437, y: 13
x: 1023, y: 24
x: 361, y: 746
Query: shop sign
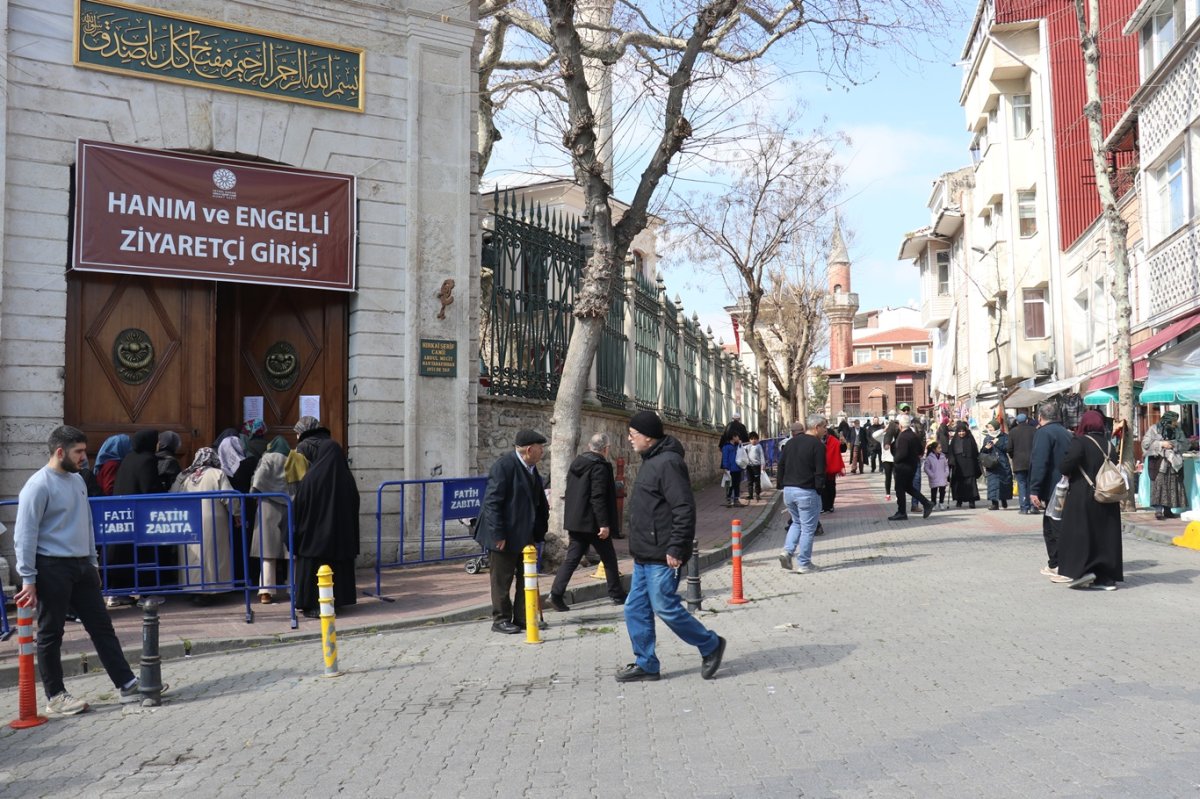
x: 168, y: 214
x: 150, y: 43
x: 439, y: 358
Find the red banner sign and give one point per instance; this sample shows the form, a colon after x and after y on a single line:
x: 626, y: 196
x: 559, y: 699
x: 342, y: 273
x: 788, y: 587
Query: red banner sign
x: 168, y: 214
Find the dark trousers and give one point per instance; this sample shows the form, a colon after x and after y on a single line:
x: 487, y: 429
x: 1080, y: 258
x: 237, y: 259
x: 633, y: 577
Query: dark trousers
x: 873, y: 457
x: 1050, y: 533
x: 904, y: 485
x: 829, y: 493
x: 73, y: 583
x: 735, y: 486
x: 938, y: 494
x: 887, y: 476
x: 505, y: 567
x: 575, y: 551
x: 753, y: 486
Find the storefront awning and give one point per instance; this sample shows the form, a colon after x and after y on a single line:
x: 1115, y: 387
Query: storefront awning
x: 1175, y: 375
x: 1032, y: 396
x: 1103, y: 396
x: 1107, y: 377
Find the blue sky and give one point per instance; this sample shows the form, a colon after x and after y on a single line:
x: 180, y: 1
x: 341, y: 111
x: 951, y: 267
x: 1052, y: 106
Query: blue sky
x: 906, y: 129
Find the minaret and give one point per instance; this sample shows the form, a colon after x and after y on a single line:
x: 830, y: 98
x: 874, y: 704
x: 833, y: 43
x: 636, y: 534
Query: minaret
x: 840, y: 304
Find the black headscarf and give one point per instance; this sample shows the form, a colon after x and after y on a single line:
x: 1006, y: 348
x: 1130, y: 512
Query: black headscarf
x: 327, y: 504
x: 138, y: 472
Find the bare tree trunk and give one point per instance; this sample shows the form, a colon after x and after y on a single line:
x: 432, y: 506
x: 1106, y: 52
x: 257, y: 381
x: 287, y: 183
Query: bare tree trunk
x: 1118, y: 228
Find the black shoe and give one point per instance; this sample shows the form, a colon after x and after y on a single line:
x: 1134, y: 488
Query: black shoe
x: 1004, y: 504
x: 617, y: 600
x: 820, y: 529
x: 993, y: 506
x: 928, y: 510
x: 897, y: 517
x: 635, y: 673
x: 958, y: 504
x: 558, y: 604
x: 711, y: 662
x: 971, y: 506
x: 506, y: 627
x: 311, y: 613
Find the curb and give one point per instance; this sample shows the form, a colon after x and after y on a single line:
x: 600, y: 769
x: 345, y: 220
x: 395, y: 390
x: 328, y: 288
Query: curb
x: 87, y: 663
x: 1146, y: 533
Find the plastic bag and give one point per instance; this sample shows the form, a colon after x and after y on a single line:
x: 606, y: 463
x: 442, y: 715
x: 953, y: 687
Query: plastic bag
x: 725, y: 480
x: 1058, y: 499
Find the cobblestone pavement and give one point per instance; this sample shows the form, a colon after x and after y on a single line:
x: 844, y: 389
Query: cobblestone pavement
x: 927, y: 659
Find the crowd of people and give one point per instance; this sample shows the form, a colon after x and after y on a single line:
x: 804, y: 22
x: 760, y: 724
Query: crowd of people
x: 1037, y: 460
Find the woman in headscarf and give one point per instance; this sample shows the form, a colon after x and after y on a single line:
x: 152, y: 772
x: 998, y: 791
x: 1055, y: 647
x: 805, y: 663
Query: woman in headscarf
x: 964, y: 466
x: 108, y: 460
x: 269, y: 543
x: 308, y: 430
x: 209, y: 562
x: 326, y: 524
x: 168, y: 459
x: 999, y: 478
x: 1089, y: 540
x: 1165, y: 444
x: 137, y: 474
x: 254, y: 441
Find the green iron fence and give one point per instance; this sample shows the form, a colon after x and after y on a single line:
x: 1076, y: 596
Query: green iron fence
x: 533, y: 260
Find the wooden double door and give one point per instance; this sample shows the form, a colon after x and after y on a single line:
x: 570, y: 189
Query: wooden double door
x: 185, y: 355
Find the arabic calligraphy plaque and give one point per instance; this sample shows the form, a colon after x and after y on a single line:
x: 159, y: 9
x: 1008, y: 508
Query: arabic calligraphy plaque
x: 118, y: 37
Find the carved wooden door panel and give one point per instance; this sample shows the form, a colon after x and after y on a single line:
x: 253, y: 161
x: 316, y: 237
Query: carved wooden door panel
x: 139, y: 355
x: 281, y: 344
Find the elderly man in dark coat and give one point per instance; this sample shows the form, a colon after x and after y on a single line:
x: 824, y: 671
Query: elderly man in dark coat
x: 591, y: 520
x: 515, y: 514
x: 1020, y: 442
x: 1050, y: 442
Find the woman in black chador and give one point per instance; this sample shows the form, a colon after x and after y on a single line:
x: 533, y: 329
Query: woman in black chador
x: 964, y: 466
x: 326, y: 522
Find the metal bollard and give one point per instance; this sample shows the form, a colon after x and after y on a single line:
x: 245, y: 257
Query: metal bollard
x: 693, y: 579
x: 737, y: 598
x: 27, y: 690
x: 328, y: 620
x: 150, y: 677
x: 532, y: 636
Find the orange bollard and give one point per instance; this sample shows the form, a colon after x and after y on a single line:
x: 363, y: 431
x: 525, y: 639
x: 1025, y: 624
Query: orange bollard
x: 27, y: 687
x: 737, y: 598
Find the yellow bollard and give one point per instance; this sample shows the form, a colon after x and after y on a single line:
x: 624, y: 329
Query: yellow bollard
x: 328, y: 620
x: 600, y: 574
x: 532, y: 636
x: 1190, y: 538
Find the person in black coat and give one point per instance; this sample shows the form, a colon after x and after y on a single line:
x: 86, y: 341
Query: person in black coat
x: 326, y: 526
x: 964, y: 466
x: 1020, y: 439
x: 735, y: 426
x: 137, y: 474
x: 590, y: 518
x: 515, y: 514
x: 1089, y: 544
x: 168, y: 459
x: 1050, y: 442
x: 906, y: 453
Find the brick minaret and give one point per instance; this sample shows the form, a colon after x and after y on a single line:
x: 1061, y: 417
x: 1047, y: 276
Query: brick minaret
x: 840, y: 304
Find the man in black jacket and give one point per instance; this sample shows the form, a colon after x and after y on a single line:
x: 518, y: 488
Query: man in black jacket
x: 1020, y: 440
x: 906, y: 454
x: 1050, y: 442
x: 515, y: 514
x: 591, y: 520
x: 801, y: 477
x: 662, y: 526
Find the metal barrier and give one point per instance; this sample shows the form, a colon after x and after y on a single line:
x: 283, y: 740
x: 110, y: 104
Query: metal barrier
x: 183, y: 543
x: 460, y: 498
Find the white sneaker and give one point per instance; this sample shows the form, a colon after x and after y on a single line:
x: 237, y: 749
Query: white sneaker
x: 65, y: 705
x: 785, y: 560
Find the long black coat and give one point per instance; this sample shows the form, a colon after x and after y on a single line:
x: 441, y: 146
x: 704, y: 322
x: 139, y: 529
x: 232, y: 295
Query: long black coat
x: 515, y: 510
x: 326, y: 506
x: 964, y: 468
x: 1090, y: 535
x: 138, y: 472
x: 1020, y: 439
x: 591, y: 496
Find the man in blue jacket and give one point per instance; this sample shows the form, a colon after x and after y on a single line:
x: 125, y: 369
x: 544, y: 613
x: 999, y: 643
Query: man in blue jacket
x: 662, y: 527
x: 729, y: 458
x: 1050, y: 442
x: 515, y: 514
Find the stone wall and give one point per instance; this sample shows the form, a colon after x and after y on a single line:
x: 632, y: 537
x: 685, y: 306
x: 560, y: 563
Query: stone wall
x: 501, y: 417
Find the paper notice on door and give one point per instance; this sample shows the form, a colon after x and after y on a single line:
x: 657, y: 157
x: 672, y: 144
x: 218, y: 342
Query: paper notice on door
x: 310, y: 405
x: 252, y: 408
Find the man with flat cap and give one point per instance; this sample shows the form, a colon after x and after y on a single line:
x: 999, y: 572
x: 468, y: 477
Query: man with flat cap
x: 662, y: 526
x: 515, y: 514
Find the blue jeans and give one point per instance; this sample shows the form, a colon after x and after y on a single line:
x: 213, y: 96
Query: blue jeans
x: 804, y: 505
x: 1023, y: 490
x: 655, y: 592
x: 916, y: 488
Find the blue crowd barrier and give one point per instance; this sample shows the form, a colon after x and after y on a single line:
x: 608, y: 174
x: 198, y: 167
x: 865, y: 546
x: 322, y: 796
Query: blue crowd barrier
x: 158, y: 545
x: 458, y: 498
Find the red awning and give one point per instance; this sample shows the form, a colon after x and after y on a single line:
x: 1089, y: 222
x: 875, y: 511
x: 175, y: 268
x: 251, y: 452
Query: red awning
x: 1107, y: 377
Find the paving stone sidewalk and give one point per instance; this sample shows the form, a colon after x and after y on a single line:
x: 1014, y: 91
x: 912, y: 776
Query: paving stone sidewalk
x: 927, y: 659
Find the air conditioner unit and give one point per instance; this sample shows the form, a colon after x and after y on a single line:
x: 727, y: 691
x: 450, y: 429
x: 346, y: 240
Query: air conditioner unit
x: 1043, y: 363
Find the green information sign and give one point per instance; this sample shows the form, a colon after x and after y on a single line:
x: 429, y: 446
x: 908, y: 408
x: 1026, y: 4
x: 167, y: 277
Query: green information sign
x: 129, y: 39
x: 439, y: 358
